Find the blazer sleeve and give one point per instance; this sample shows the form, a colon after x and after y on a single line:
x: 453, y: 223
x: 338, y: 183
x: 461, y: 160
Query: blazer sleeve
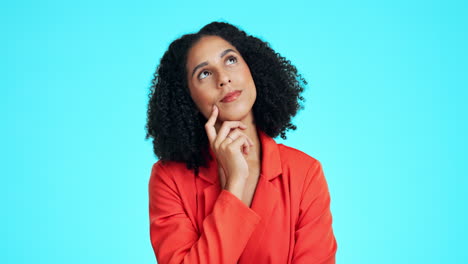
x: 174, y: 237
x: 315, y: 241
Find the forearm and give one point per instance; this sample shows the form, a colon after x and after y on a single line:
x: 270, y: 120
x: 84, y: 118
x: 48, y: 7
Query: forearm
x: 225, y: 233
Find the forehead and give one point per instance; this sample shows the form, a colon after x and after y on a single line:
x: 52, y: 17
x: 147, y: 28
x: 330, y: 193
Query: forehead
x: 206, y: 49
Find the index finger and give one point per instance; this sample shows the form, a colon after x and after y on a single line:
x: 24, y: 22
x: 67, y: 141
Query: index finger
x: 209, y: 126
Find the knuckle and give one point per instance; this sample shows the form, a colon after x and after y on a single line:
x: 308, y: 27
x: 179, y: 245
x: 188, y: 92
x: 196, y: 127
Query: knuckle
x: 226, y: 123
x: 233, y: 124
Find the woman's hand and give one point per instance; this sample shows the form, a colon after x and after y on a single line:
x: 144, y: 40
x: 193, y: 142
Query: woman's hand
x: 230, y: 145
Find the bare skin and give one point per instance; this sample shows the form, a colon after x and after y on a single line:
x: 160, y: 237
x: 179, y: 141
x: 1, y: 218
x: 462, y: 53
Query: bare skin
x: 237, y: 154
x: 216, y: 70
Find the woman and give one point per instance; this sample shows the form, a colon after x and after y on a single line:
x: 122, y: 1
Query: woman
x: 223, y: 191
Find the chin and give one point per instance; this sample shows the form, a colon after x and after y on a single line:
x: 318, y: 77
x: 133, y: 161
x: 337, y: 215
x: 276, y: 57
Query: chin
x: 228, y: 117
x: 234, y: 114
x: 236, y: 111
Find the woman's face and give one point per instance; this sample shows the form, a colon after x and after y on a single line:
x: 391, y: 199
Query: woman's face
x: 218, y: 75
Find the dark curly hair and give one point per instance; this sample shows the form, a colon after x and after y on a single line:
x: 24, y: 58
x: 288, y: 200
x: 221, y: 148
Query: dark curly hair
x: 173, y: 120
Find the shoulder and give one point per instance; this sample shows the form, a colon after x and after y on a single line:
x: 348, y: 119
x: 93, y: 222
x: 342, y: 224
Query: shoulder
x: 303, y: 172
x: 299, y: 168
x: 168, y: 171
x: 293, y: 157
x: 172, y: 166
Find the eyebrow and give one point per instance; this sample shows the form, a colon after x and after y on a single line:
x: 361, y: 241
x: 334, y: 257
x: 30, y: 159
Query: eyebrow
x: 206, y: 63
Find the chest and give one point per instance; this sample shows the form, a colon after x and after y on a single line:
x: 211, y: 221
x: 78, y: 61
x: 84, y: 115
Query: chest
x: 273, y: 239
x: 250, y: 186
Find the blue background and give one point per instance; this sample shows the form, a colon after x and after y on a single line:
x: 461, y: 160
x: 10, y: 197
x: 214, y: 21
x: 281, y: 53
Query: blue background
x: 385, y: 114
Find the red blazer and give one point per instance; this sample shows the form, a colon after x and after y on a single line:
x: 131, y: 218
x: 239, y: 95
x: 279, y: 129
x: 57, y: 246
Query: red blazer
x: 193, y: 220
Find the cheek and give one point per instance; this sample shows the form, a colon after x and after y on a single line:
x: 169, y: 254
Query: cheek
x: 204, y: 101
x: 246, y: 76
x: 248, y: 83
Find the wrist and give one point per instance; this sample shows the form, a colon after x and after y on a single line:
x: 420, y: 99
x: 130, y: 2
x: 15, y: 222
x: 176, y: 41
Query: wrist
x: 236, y: 187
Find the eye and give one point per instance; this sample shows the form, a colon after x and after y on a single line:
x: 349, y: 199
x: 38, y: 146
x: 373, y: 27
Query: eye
x: 233, y: 59
x: 203, y: 74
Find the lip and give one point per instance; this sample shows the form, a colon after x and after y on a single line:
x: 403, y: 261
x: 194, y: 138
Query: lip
x: 232, y: 96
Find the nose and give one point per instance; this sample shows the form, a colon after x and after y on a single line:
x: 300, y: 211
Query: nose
x: 223, y: 79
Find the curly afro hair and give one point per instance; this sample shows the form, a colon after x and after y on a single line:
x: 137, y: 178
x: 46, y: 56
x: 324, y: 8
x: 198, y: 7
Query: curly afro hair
x: 173, y: 120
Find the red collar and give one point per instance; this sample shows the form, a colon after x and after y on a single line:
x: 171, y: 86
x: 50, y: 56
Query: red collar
x: 271, y: 161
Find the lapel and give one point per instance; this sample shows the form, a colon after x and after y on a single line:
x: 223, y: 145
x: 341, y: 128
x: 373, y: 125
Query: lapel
x: 266, y: 195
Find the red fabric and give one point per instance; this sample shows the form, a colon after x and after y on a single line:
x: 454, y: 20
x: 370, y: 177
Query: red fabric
x: 193, y: 220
